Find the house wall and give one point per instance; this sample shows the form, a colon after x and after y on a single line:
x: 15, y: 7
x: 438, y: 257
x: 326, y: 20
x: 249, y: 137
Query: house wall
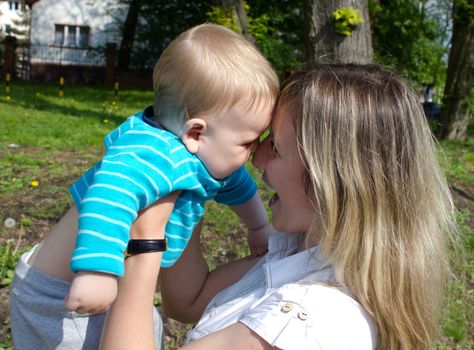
x: 11, y: 18
x: 101, y: 16
x: 78, y: 61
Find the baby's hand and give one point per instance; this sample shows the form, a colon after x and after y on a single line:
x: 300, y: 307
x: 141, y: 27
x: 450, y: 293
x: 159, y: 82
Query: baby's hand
x: 258, y: 240
x: 91, y: 292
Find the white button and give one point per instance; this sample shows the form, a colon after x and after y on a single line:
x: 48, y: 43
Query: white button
x: 303, y: 315
x: 286, y: 307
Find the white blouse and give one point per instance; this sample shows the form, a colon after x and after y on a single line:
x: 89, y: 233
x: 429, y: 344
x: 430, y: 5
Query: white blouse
x: 287, y: 299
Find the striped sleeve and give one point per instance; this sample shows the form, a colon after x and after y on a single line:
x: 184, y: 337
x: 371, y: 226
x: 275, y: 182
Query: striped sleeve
x: 131, y: 176
x: 239, y: 188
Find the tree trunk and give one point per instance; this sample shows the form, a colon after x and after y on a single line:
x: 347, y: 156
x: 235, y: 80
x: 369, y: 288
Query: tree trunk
x: 128, y: 35
x: 459, y: 81
x: 240, y: 16
x: 322, y: 41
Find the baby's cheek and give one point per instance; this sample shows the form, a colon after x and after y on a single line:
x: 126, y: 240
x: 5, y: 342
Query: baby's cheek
x: 243, y: 159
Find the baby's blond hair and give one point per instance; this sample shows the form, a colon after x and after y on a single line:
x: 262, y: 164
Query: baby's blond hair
x: 209, y: 68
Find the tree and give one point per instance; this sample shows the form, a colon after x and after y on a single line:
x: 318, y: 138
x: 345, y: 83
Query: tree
x: 239, y: 13
x: 128, y: 35
x: 412, y: 37
x: 459, y: 82
x: 325, y: 42
x: 159, y: 23
x: 274, y: 26
x: 278, y: 28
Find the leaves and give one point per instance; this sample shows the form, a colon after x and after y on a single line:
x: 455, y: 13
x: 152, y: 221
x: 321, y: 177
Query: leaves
x: 346, y: 19
x: 412, y: 38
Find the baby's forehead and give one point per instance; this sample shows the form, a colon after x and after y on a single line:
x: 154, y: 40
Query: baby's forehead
x: 255, y: 105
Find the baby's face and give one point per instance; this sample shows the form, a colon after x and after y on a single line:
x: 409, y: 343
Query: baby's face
x: 231, y: 136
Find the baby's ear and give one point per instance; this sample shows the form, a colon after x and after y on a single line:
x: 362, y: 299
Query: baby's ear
x: 192, y: 130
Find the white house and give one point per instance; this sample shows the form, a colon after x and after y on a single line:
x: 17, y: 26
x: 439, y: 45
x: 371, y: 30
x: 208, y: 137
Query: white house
x: 14, y: 18
x: 65, y: 31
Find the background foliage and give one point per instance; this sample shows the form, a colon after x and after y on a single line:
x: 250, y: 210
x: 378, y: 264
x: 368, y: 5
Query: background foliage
x: 413, y: 37
x: 346, y: 19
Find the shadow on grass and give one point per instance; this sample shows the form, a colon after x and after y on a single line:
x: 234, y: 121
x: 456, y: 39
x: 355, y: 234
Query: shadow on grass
x: 44, y: 98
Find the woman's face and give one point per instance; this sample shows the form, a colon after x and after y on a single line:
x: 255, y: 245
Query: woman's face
x: 277, y: 156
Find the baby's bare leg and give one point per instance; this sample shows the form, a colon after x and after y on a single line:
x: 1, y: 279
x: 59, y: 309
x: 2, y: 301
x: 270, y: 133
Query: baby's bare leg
x: 54, y: 252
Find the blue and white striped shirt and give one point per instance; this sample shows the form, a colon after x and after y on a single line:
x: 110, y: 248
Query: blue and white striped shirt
x: 144, y: 163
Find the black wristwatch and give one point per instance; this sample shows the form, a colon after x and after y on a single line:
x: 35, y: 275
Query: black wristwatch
x: 139, y: 246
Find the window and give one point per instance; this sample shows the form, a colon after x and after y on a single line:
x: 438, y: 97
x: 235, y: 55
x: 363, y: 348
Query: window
x: 58, y: 35
x: 71, y: 36
x: 83, y: 36
x: 13, y: 5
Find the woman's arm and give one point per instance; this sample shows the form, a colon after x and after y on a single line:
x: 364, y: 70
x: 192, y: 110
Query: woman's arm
x: 239, y: 335
x: 188, y: 286
x: 129, y: 324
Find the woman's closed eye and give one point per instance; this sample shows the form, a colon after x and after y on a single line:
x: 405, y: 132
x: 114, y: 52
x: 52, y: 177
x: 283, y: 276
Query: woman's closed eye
x: 251, y: 145
x: 269, y: 143
x: 272, y: 144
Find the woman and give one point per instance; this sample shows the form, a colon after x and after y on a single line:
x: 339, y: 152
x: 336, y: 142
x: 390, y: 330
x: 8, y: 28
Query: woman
x: 367, y: 217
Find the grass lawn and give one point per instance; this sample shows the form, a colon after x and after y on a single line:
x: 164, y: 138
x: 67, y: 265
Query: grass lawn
x: 46, y: 142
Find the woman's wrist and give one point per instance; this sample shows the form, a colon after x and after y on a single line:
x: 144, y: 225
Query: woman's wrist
x: 142, y: 246
x: 265, y: 229
x: 146, y: 235
x: 144, y: 261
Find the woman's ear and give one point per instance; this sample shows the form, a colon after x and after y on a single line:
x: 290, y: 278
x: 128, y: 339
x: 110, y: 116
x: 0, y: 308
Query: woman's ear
x: 191, y: 135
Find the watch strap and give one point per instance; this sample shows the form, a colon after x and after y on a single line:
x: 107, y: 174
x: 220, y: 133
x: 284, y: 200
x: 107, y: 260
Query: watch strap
x: 139, y: 246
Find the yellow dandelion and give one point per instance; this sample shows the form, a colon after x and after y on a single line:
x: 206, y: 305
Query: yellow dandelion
x: 114, y: 103
x: 7, y: 98
x: 34, y: 183
x: 105, y: 121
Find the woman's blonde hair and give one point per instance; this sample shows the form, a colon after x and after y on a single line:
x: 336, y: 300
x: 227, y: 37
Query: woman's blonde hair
x: 383, y: 207
x: 208, y: 68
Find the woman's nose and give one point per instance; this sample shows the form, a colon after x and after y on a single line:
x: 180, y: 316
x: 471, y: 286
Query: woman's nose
x: 260, y: 155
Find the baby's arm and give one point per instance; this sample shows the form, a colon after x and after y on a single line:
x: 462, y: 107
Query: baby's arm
x: 254, y: 215
x: 94, y: 292
x: 121, y: 186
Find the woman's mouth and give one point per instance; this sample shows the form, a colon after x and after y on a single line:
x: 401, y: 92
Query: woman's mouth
x: 273, y: 199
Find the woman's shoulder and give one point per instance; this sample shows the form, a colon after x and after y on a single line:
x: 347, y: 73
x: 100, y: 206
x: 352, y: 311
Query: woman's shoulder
x: 331, y: 304
x: 325, y: 302
x: 320, y: 315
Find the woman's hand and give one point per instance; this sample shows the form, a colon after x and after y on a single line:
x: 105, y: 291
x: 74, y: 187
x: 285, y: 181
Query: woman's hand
x: 129, y: 323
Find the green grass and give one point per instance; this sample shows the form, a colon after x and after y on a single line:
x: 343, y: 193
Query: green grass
x: 53, y: 140
x: 457, y: 159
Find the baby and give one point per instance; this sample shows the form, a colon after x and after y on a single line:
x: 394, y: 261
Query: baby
x: 213, y: 97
